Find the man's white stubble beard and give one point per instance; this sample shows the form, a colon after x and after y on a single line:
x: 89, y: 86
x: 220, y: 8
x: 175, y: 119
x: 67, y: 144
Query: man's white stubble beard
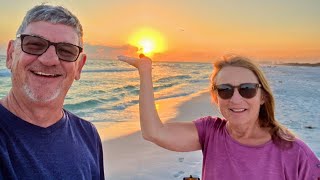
x: 33, y: 95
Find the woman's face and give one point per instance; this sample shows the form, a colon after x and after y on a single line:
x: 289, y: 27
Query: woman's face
x: 237, y: 109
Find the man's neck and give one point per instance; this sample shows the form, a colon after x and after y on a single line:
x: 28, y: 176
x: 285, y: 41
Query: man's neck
x: 40, y: 114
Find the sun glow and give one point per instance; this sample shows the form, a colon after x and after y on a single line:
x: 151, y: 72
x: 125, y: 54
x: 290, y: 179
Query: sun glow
x: 148, y: 41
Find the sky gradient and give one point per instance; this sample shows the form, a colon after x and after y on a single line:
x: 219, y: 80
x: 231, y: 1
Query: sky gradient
x: 192, y: 30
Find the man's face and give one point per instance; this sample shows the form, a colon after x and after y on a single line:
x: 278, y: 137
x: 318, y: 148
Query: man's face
x: 43, y: 78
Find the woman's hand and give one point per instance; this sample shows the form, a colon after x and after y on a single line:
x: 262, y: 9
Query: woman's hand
x: 144, y: 64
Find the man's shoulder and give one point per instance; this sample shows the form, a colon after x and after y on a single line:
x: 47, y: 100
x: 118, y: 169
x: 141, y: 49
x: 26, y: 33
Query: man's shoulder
x: 74, y: 120
x: 72, y: 116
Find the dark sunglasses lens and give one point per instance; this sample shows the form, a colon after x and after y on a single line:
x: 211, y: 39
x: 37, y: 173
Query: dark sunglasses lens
x: 67, y: 52
x: 248, y: 90
x: 225, y: 91
x: 34, y: 45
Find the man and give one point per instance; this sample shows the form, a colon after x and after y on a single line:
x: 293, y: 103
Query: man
x: 38, y: 138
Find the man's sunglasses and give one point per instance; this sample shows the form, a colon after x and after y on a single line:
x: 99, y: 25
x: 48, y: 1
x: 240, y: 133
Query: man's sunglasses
x: 36, y: 45
x: 246, y: 90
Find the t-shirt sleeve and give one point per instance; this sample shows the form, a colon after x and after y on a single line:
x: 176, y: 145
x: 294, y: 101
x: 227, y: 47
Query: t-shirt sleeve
x: 99, y: 152
x: 309, y: 165
x: 313, y: 164
x: 95, y: 140
x: 310, y: 168
x: 204, y: 126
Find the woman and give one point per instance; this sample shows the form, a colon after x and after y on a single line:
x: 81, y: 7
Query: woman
x: 248, y: 143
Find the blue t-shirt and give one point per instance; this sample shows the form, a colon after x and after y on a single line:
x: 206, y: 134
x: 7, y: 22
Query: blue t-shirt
x: 68, y: 149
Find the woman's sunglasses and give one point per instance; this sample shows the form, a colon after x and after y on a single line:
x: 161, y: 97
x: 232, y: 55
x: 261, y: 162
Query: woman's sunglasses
x: 36, y: 45
x: 246, y: 90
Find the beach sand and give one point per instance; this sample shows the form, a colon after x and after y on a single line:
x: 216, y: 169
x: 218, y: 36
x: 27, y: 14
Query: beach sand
x: 128, y: 156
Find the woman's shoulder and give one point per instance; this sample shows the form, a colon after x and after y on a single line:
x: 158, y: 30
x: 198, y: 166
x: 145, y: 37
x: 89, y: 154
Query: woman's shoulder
x: 303, y: 148
x: 301, y: 153
x: 305, y: 157
x: 210, y: 122
x: 209, y: 128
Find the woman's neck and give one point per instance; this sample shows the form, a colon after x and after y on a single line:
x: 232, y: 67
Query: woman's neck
x: 249, y: 134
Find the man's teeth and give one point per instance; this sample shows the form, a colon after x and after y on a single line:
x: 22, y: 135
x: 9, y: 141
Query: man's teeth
x: 45, y: 74
x: 238, y: 110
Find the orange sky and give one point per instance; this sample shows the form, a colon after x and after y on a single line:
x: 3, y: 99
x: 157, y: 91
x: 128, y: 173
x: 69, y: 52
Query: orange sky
x: 192, y: 30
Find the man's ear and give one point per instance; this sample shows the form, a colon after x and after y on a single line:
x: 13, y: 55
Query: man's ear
x: 10, y: 51
x: 81, y: 61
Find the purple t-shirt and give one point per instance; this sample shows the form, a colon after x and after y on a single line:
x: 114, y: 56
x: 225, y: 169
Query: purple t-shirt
x: 225, y: 158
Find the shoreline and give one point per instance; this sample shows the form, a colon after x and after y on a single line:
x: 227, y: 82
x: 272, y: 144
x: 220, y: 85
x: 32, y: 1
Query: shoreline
x: 168, y: 110
x: 301, y: 64
x: 131, y: 157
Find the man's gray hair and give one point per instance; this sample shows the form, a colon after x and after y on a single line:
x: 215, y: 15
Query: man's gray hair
x: 54, y: 15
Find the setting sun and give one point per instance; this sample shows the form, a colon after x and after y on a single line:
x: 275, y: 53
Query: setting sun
x: 147, y: 45
x: 148, y: 41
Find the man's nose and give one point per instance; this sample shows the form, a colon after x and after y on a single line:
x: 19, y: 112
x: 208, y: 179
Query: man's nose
x: 50, y: 57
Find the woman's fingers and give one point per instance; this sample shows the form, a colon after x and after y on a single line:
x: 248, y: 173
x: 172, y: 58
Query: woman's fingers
x: 141, y: 56
x: 130, y: 60
x: 144, y: 64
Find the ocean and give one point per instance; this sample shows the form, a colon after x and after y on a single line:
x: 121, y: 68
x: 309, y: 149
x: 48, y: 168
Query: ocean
x: 108, y: 88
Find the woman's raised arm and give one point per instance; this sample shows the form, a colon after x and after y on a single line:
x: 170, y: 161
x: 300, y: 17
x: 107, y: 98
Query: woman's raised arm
x: 176, y: 136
